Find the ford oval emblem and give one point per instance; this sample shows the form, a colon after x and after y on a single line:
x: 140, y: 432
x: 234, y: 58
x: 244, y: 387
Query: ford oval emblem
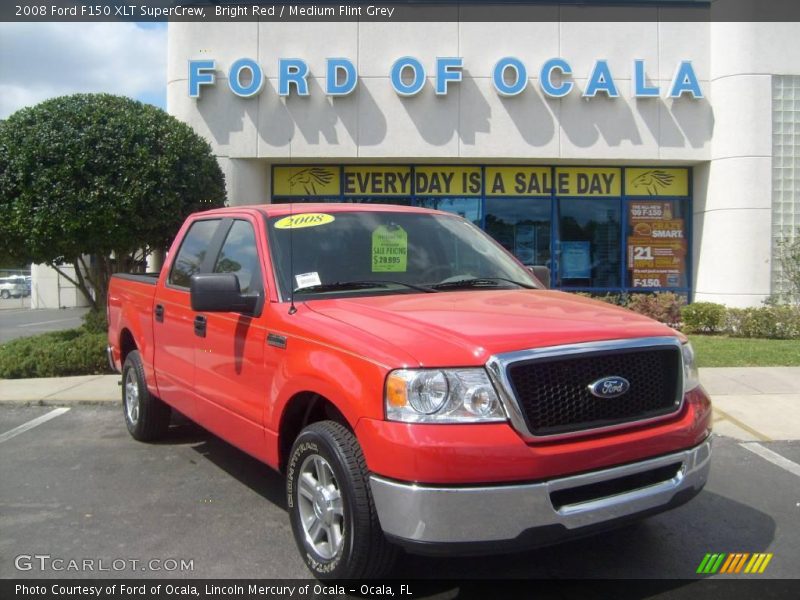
x: 609, y: 387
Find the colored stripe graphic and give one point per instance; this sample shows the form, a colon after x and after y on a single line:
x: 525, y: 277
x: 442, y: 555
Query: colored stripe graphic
x: 740, y: 564
x: 732, y: 558
x: 758, y: 563
x: 765, y: 563
x: 711, y: 563
x: 703, y: 563
x: 734, y: 563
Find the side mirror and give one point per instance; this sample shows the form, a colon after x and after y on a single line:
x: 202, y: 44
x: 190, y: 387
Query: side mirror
x: 541, y: 273
x: 220, y: 292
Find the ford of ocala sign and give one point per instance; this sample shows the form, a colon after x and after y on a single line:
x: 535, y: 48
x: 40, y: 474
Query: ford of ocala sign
x: 509, y: 76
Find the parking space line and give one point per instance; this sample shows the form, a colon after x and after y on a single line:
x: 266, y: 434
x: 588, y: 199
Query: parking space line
x: 773, y: 457
x: 33, y: 423
x: 49, y: 322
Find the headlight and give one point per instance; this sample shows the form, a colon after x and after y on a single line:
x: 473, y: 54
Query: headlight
x: 691, y: 378
x: 442, y: 396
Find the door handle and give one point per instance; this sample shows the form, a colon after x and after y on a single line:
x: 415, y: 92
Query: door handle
x: 159, y: 313
x: 200, y: 326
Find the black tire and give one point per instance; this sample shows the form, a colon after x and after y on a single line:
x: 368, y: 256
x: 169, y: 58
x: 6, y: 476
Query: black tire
x: 150, y: 420
x: 363, y: 552
x: 5, y: 294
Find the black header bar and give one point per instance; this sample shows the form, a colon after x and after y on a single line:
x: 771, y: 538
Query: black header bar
x: 399, y: 10
x: 307, y: 589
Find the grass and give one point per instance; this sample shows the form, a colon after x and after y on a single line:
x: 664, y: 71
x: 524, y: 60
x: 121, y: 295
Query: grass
x: 720, y: 351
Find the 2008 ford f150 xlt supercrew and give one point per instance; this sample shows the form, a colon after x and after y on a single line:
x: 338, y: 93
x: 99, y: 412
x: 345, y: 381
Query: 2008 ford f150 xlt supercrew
x: 416, y: 384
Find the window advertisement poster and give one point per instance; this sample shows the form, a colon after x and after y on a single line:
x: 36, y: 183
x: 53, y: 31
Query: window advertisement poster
x: 657, y: 245
x: 576, y: 260
x: 525, y: 244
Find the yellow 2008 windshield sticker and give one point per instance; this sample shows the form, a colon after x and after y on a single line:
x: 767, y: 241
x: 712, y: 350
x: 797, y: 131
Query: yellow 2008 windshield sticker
x: 303, y: 220
x: 389, y: 250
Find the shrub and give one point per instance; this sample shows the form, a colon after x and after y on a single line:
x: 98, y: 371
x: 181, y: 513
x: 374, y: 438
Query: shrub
x: 55, y: 354
x: 615, y: 299
x: 787, y: 320
x: 788, y: 254
x: 774, y: 322
x: 703, y: 317
x: 661, y: 306
x: 95, y: 321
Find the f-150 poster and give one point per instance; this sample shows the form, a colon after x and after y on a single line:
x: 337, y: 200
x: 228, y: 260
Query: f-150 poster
x: 657, y: 245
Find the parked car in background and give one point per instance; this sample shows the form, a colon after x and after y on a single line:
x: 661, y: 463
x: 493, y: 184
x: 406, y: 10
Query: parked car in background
x: 14, y: 287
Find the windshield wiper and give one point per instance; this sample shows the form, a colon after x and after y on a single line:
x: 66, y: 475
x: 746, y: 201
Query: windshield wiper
x: 480, y: 282
x: 360, y: 285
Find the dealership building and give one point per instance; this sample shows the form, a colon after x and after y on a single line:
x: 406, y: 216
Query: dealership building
x: 644, y: 155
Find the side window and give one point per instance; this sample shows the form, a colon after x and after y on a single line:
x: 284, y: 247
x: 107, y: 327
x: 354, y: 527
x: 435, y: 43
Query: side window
x: 239, y: 255
x: 192, y: 252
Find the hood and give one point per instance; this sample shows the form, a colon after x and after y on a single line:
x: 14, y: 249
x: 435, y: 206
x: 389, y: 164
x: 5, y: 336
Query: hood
x: 465, y: 328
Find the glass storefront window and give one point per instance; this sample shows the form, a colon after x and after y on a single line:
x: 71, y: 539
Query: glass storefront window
x: 304, y: 200
x: 381, y: 200
x: 469, y: 208
x: 589, y: 243
x: 522, y: 226
x: 598, y: 228
x: 657, y: 243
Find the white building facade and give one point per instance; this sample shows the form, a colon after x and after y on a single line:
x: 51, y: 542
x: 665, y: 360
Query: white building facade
x: 648, y: 155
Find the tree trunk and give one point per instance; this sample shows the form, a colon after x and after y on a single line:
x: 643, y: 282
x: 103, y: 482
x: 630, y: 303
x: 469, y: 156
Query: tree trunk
x: 79, y: 282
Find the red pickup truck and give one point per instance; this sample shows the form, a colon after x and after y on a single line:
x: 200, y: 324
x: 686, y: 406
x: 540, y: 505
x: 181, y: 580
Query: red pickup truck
x: 416, y: 384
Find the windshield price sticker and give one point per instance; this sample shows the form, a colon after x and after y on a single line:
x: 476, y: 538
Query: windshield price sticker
x: 305, y: 280
x: 304, y: 220
x: 389, y: 250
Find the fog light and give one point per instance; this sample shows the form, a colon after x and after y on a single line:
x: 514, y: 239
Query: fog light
x: 480, y: 401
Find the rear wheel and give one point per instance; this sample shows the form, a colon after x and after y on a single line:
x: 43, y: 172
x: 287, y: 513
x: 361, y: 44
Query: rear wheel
x: 146, y: 416
x: 330, y: 503
x: 5, y: 294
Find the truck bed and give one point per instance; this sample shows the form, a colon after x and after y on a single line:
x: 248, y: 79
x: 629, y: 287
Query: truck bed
x: 148, y: 278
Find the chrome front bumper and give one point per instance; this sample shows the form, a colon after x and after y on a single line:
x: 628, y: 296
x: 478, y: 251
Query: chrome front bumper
x: 454, y: 515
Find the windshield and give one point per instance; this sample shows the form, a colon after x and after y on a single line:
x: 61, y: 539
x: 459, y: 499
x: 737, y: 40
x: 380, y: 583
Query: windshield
x: 323, y: 255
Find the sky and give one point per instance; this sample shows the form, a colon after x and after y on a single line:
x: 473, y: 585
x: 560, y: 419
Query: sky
x: 44, y: 60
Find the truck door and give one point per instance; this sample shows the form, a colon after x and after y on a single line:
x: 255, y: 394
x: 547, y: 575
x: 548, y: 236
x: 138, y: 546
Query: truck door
x: 174, y: 320
x: 230, y: 379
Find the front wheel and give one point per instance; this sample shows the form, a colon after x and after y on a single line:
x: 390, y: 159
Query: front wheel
x: 330, y: 503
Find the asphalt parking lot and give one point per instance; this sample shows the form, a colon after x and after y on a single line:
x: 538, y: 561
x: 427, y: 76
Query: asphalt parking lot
x: 17, y: 321
x: 78, y: 487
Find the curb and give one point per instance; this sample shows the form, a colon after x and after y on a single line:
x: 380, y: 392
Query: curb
x: 61, y: 391
x: 57, y: 402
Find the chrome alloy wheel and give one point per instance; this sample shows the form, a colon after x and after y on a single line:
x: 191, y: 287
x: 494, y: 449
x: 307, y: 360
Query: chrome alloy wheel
x: 131, y: 397
x: 319, y: 502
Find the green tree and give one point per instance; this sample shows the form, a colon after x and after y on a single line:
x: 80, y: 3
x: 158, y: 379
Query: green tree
x: 789, y: 259
x: 98, y: 182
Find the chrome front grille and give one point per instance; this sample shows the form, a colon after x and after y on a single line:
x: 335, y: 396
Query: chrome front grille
x: 548, y: 388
